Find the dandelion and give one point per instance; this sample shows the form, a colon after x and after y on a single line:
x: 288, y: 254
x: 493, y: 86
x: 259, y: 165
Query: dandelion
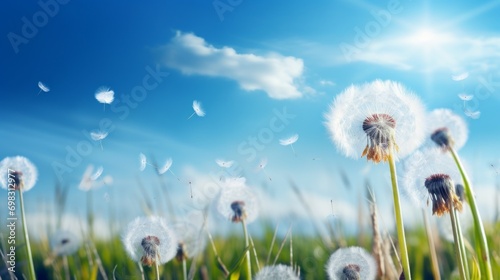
x: 352, y: 263
x: 98, y: 136
x: 64, y: 243
x: 43, y: 87
x: 277, y: 272
x: 290, y: 141
x: 378, y: 120
x: 191, y: 241
x: 446, y: 130
x: 20, y: 174
x: 150, y: 241
x: 238, y: 203
x: 105, y: 96
x: 197, y: 110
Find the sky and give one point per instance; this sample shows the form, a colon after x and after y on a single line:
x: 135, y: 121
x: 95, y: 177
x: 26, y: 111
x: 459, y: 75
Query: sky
x: 262, y: 72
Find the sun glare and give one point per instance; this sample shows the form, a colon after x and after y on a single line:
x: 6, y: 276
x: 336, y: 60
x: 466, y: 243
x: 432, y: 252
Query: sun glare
x: 429, y: 38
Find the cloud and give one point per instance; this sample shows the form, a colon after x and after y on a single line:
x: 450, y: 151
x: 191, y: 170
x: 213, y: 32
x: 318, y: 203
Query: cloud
x: 279, y: 76
x: 426, y: 50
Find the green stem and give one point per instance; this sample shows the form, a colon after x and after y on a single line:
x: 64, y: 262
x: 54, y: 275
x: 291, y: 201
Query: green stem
x: 141, y: 270
x: 432, y: 247
x: 399, y: 219
x: 462, y: 244
x: 26, y: 237
x: 484, y: 255
x: 456, y: 243
x: 157, y: 271
x: 184, y: 268
x: 247, y: 243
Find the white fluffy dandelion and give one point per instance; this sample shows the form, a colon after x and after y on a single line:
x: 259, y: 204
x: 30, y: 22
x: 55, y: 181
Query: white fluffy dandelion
x: 43, y: 88
x: 150, y: 241
x: 197, y: 109
x: 17, y: 173
x: 98, y: 136
x: 367, y: 119
x: 105, y: 96
x: 290, y: 141
x: 445, y: 129
x: 351, y: 263
x: 191, y: 238
x: 420, y: 170
x: 64, y: 243
x: 236, y: 201
x: 277, y: 272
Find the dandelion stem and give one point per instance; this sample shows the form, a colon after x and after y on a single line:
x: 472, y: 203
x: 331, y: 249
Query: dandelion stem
x: 184, y: 268
x: 26, y: 236
x: 247, y: 243
x: 462, y: 245
x: 66, y: 267
x: 399, y: 217
x: 432, y: 247
x: 456, y: 237
x: 157, y: 269
x: 141, y: 270
x: 484, y: 255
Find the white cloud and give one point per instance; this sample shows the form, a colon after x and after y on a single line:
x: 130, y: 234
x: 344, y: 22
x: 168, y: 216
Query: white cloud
x: 279, y: 76
x: 427, y: 50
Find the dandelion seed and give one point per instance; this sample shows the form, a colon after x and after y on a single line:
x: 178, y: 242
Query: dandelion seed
x: 64, y: 243
x: 90, y: 179
x: 197, y: 110
x: 446, y: 130
x: 460, y: 77
x: 290, y: 141
x: 465, y: 96
x: 150, y: 241
x: 21, y: 170
x: 472, y: 114
x: 98, y: 136
x: 142, y: 161
x: 224, y: 164
x: 262, y: 165
x: 277, y: 272
x: 351, y: 263
x: 105, y: 96
x: 236, y: 201
x: 372, y: 118
x: 97, y: 173
x: 430, y: 176
x: 43, y: 88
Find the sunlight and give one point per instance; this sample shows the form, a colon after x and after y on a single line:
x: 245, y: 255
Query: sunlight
x: 429, y: 38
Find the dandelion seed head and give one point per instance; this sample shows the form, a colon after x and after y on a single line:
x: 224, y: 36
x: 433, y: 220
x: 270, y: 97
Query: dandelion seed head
x: 445, y: 129
x: 237, y: 201
x: 64, y: 243
x: 150, y: 240
x: 374, y: 103
x: 22, y: 170
x: 422, y: 165
x: 277, y: 272
x: 351, y: 262
x: 442, y: 193
x: 191, y: 237
x: 105, y: 95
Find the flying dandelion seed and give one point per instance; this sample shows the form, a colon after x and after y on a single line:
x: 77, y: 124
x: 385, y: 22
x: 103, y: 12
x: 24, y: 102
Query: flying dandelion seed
x: 290, y: 141
x: 352, y: 263
x: 98, y: 136
x: 224, y: 164
x: 460, y: 77
x: 43, y: 88
x: 465, y: 96
x: 105, y: 96
x: 150, y: 241
x: 197, y: 110
x: 142, y: 161
x: 166, y: 167
x: 262, y: 165
x: 472, y: 114
x: 277, y: 272
x: 97, y: 173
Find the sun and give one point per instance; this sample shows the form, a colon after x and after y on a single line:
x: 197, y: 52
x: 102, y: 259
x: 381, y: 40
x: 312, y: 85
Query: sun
x: 429, y: 38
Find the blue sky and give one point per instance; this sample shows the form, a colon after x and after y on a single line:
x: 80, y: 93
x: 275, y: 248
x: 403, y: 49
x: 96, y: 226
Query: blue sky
x: 261, y: 70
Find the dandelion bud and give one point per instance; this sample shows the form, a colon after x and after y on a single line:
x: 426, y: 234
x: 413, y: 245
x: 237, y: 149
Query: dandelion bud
x: 442, y: 138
